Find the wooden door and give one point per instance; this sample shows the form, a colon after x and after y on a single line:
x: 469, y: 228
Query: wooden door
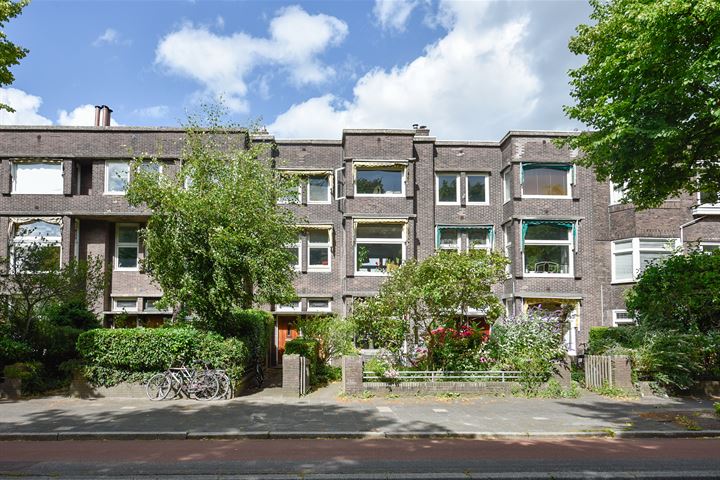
x: 286, y: 332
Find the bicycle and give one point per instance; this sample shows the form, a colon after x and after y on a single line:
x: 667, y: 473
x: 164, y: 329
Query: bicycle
x: 259, y: 373
x: 193, y: 382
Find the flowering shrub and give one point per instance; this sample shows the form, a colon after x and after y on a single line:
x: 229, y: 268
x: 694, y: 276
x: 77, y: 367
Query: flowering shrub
x: 457, y: 349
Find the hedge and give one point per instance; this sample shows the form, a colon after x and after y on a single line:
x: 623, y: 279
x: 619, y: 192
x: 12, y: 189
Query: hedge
x: 309, y: 348
x: 115, y: 355
x: 601, y: 339
x: 255, y: 327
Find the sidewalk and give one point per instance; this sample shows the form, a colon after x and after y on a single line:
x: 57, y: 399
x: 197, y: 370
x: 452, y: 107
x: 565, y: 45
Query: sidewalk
x: 325, y: 414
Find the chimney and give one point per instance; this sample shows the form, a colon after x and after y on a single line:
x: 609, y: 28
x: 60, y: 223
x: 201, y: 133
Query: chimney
x: 97, y: 115
x: 421, y: 131
x: 105, y: 116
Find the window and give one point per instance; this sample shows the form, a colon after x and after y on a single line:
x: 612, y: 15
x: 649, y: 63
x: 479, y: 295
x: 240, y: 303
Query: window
x: 621, y: 317
x: 294, y: 251
x: 479, y: 238
x: 292, y: 195
x: 547, y: 247
x: 545, y: 180
x: 151, y: 167
x: 448, y: 239
x: 380, y: 181
x: 288, y: 307
x: 37, y: 177
x: 617, y: 194
x: 117, y: 177
x: 318, y: 189
x: 507, y: 246
x: 447, y: 188
x: 378, y: 245
x: 150, y: 305
x: 632, y: 255
x: 708, y: 204
x: 709, y: 247
x: 127, y: 304
x: 476, y: 188
x: 126, y: 247
x: 319, y: 250
x: 318, y: 305
x: 36, y: 246
x: 507, y: 185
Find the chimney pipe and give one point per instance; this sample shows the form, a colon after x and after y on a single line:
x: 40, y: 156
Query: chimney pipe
x: 97, y: 115
x: 105, y: 112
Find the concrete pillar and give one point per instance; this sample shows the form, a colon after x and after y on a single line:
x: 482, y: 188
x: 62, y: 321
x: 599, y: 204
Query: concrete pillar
x: 352, y: 370
x: 291, y: 375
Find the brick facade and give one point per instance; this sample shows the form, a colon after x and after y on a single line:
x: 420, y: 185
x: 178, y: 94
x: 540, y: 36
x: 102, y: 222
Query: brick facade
x: 85, y: 207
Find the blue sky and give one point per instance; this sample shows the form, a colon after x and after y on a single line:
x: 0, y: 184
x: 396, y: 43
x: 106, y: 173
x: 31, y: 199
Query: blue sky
x: 467, y: 69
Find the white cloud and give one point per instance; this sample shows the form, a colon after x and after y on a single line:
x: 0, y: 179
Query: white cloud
x: 472, y: 83
x: 393, y: 14
x: 26, y: 108
x: 221, y: 63
x: 156, y: 111
x: 81, y: 116
x: 110, y: 37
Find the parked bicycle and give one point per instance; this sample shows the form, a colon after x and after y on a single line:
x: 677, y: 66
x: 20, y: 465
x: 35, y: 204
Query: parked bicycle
x: 198, y: 383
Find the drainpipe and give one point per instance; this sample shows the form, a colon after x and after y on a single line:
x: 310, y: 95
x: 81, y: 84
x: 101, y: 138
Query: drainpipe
x: 682, y: 229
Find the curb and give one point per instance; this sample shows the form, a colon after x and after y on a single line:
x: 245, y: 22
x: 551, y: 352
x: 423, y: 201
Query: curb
x: 370, y: 435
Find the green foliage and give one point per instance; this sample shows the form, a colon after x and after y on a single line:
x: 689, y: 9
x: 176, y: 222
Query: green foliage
x: 682, y: 292
x: 255, y: 327
x: 216, y: 238
x: 31, y: 374
x: 553, y: 389
x: 10, y: 54
x: 602, y: 339
x: 117, y: 355
x: 455, y: 350
x: 333, y: 334
x: 716, y: 406
x: 649, y: 92
x: 419, y: 297
x: 607, y: 390
x: 309, y: 348
x: 13, y: 350
x: 531, y: 343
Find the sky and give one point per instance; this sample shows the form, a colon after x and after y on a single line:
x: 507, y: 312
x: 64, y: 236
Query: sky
x: 470, y: 70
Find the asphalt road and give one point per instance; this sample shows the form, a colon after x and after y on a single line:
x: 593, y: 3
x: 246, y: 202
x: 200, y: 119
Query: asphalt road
x: 363, y: 459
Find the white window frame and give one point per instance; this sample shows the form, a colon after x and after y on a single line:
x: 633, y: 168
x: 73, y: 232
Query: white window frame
x: 437, y: 188
x: 617, y: 194
x: 115, y: 307
x: 507, y: 186
x: 402, y: 241
x: 709, y: 244
x: 283, y: 201
x: 327, y: 245
x: 145, y: 300
x: 328, y: 198
x: 298, y: 247
x: 507, y: 246
x: 119, y: 244
x: 107, y: 190
x: 401, y: 168
x: 316, y: 309
x: 17, y: 241
x: 487, y: 246
x: 553, y: 243
x: 467, y: 188
x: 568, y: 184
x: 636, y: 250
x: 13, y: 168
x: 621, y: 321
x: 295, y: 306
x: 706, y: 208
x: 439, y: 243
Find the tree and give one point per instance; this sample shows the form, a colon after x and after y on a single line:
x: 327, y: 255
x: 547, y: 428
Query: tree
x: 216, y: 238
x: 650, y: 92
x: 10, y: 54
x: 682, y: 292
x: 419, y: 297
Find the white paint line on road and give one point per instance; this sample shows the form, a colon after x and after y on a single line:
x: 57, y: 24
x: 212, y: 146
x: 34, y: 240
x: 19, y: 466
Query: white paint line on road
x: 128, y: 408
x: 384, y: 409
x: 540, y: 418
x: 439, y: 410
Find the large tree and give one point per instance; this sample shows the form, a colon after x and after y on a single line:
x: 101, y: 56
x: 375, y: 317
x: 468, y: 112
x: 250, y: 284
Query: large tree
x: 650, y: 93
x: 10, y: 54
x: 216, y: 238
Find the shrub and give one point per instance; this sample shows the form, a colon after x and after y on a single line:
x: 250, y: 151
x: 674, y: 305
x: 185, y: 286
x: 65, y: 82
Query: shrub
x: 674, y: 359
x: 308, y: 348
x: 254, y: 327
x: 716, y: 406
x: 602, y: 339
x: 117, y: 355
x: 13, y: 350
x: 29, y: 372
x: 334, y: 335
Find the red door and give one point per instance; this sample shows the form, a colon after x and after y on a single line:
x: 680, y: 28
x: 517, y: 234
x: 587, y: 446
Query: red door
x: 286, y: 332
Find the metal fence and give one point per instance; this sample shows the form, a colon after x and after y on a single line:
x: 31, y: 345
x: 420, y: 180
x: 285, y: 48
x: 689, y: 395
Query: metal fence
x: 598, y: 371
x: 443, y: 376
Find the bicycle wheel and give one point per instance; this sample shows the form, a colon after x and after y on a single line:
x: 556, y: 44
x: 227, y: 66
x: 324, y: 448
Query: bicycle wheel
x: 225, y: 390
x: 205, y: 386
x: 157, y: 387
x: 176, y: 385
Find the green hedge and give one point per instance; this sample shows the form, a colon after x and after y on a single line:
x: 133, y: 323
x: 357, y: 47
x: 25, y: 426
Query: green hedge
x: 255, y: 327
x: 12, y: 351
x: 601, y: 339
x: 113, y: 356
x: 309, y: 348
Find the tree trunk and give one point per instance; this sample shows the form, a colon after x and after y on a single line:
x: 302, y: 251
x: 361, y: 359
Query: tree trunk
x: 247, y: 302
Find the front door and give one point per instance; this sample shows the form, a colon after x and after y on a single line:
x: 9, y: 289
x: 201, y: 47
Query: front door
x: 286, y: 332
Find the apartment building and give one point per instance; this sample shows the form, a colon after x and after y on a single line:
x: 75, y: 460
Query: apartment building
x: 372, y: 198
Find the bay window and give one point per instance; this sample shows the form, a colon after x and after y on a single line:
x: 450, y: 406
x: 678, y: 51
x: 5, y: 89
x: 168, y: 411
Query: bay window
x: 37, y: 177
x: 447, y: 188
x: 545, y: 180
x: 630, y: 256
x: 117, y: 177
x: 548, y: 247
x: 319, y: 249
x: 476, y: 188
x: 126, y: 247
x: 379, y: 180
x: 377, y: 246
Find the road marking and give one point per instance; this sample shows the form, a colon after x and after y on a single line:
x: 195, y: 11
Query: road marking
x: 540, y: 418
x: 439, y: 410
x: 384, y: 409
x: 128, y: 408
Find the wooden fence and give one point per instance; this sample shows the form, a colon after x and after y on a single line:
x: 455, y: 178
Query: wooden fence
x: 599, y: 371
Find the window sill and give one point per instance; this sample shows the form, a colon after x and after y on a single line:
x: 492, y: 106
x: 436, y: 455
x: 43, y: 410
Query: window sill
x: 319, y: 270
x: 452, y: 204
x: 120, y: 269
x: 622, y: 282
x: 114, y: 194
x: 329, y: 202
x: 380, y: 195
x: 37, y: 193
x: 556, y: 197
x: 371, y: 274
x: 477, y: 203
x: 548, y: 275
